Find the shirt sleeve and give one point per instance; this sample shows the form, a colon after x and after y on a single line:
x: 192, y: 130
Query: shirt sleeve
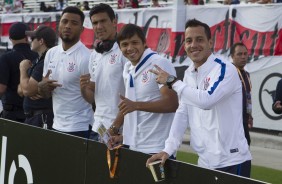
x: 223, y: 83
x: 46, y: 62
x: 178, y: 128
x: 167, y: 66
x: 37, y: 72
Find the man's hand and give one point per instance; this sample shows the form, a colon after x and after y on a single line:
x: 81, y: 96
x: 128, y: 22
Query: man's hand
x: 277, y: 105
x: 25, y: 65
x: 159, y: 156
x: 115, y: 141
x: 126, y: 105
x: 161, y: 75
x: 36, y: 97
x: 84, y: 81
x: 46, y: 86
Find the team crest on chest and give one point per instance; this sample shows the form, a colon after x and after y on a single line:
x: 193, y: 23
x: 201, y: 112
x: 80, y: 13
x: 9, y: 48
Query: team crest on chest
x: 71, y: 67
x: 206, y: 83
x: 113, y: 59
x: 145, y: 77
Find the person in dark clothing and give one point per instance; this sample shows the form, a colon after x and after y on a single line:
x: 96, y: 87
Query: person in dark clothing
x: 277, y: 104
x: 134, y: 3
x: 38, y: 111
x: 239, y: 54
x: 10, y: 73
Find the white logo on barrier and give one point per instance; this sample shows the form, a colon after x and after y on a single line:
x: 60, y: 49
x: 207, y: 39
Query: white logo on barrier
x: 23, y: 163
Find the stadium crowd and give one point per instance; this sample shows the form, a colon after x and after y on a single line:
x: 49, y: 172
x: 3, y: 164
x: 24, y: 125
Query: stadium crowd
x: 18, y: 6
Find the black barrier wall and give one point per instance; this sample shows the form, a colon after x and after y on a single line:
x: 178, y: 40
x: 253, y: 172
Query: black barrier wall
x: 35, y: 156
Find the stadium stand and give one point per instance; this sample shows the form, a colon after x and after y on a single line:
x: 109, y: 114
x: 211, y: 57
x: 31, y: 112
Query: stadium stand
x: 34, y: 5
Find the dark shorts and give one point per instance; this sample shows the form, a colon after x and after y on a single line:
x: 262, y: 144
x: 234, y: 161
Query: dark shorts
x: 243, y: 169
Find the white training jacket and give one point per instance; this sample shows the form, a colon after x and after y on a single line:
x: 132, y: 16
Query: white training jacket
x: 211, y: 104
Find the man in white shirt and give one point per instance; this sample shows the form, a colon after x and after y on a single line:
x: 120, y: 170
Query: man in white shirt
x: 148, y: 108
x: 210, y: 102
x: 63, y: 66
x: 104, y: 83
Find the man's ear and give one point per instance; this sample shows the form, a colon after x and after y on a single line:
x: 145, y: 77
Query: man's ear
x: 211, y: 43
x: 115, y: 22
x: 41, y: 41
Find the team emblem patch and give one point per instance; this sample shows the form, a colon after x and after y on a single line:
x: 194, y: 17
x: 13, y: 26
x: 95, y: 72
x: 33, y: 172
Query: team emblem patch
x: 71, y: 67
x: 145, y: 77
x: 206, y: 83
x: 113, y: 59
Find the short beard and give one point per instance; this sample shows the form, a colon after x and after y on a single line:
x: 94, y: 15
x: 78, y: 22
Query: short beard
x: 67, y: 40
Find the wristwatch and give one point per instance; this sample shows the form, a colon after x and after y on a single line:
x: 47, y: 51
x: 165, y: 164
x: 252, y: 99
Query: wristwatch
x: 170, y: 80
x: 114, y: 129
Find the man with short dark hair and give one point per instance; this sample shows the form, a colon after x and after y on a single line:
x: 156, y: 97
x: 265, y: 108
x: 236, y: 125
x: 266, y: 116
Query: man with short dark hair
x: 239, y: 54
x: 148, y: 108
x: 10, y: 73
x: 104, y: 82
x: 63, y: 66
x: 210, y: 103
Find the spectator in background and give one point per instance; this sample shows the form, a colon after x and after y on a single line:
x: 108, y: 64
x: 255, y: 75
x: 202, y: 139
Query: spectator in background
x: 46, y: 9
x: 61, y: 4
x: 252, y: 1
x: 201, y: 2
x: 18, y: 6
x: 277, y: 105
x: 134, y: 3
x: 85, y: 6
x: 264, y: 1
x: 191, y: 2
x: 11, y: 6
x: 239, y: 55
x: 155, y: 3
x: 78, y: 4
x: 229, y: 2
x: 10, y: 73
x: 122, y: 4
x: 38, y: 111
x: 63, y: 66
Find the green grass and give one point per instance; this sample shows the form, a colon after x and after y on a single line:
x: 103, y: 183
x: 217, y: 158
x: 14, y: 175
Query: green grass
x: 259, y: 173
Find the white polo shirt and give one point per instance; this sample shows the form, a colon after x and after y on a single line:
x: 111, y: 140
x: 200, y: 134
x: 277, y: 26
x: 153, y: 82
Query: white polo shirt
x: 106, y: 71
x: 71, y: 112
x: 147, y: 131
x: 211, y: 104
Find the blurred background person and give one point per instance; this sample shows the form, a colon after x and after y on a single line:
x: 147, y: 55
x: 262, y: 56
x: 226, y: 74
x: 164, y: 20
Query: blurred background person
x: 10, y: 73
x: 85, y: 6
x: 239, y: 54
x: 277, y: 105
x: 38, y: 111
